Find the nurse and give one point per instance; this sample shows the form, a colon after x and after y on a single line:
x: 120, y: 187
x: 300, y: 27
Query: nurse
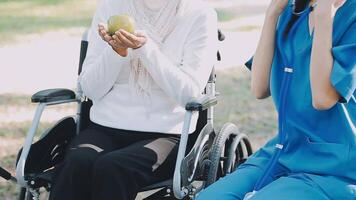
x: 306, y: 60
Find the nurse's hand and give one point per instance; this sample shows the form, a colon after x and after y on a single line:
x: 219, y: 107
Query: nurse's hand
x: 276, y: 7
x: 326, y: 9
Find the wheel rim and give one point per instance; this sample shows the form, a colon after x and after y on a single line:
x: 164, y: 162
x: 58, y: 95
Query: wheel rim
x: 241, y: 151
x: 230, y: 148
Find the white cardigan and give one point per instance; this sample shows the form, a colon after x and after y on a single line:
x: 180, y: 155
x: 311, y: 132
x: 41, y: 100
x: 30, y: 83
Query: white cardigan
x: 180, y: 70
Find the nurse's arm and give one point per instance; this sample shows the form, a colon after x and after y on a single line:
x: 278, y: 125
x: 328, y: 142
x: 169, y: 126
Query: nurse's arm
x: 324, y: 95
x: 262, y: 61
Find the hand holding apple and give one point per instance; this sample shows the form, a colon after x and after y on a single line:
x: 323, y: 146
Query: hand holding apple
x: 117, y: 22
x: 129, y: 40
x: 117, y: 47
x: 122, y: 30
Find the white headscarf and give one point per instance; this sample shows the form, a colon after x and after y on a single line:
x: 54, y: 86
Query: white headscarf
x: 157, y: 24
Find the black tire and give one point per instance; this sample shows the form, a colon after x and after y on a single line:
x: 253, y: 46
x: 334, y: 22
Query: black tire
x: 198, y: 158
x: 205, y: 156
x: 29, y: 196
x: 238, y: 152
x: 22, y: 194
x: 25, y: 194
x: 230, y: 148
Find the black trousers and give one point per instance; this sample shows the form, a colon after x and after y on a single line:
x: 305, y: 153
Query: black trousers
x: 110, y: 164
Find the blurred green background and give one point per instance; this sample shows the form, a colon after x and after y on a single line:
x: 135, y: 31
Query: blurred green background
x: 25, y: 25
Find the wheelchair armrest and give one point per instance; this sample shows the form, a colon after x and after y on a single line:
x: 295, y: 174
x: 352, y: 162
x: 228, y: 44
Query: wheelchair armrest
x: 52, y: 95
x: 205, y: 103
x: 5, y: 174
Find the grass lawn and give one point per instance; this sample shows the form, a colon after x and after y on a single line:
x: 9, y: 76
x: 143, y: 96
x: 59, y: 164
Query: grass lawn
x: 225, y: 15
x: 237, y: 104
x: 19, y: 18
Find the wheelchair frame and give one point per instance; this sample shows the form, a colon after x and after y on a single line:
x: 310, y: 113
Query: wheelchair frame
x: 187, y: 166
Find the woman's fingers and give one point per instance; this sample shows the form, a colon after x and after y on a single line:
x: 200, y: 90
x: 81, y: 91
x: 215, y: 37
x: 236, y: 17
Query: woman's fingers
x: 103, y: 32
x: 107, y: 37
x: 121, y: 39
x: 127, y: 42
x: 140, y: 33
x: 137, y: 40
x: 100, y: 31
x: 129, y: 36
x: 119, y: 42
x: 118, y: 46
x: 103, y: 25
x: 114, y: 41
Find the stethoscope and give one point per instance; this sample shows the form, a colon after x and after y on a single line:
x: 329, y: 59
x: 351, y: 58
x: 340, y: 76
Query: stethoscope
x: 286, y: 80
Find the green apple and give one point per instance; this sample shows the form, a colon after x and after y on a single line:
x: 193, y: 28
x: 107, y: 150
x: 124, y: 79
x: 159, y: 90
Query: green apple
x: 117, y: 22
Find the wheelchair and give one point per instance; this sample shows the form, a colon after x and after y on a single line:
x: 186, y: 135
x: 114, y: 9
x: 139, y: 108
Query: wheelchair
x: 203, y: 156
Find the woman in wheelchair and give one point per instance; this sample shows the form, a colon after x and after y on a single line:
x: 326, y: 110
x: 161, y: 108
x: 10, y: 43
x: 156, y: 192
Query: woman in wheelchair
x: 139, y: 84
x: 306, y: 60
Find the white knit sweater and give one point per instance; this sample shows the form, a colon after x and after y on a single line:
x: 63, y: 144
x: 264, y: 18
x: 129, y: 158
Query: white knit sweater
x: 179, y: 70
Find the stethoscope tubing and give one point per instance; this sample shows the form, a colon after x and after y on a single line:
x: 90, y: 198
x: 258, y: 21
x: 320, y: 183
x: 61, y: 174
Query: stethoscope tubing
x: 288, y: 63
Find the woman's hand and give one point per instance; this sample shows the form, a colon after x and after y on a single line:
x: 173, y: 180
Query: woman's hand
x: 117, y: 47
x: 276, y: 7
x: 129, y: 40
x: 326, y: 9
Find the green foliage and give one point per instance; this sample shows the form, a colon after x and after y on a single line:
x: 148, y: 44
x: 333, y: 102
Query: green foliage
x: 19, y: 18
x: 12, y: 99
x: 8, y: 191
x: 225, y: 15
x: 19, y: 129
x: 37, y: 2
x: 247, y: 28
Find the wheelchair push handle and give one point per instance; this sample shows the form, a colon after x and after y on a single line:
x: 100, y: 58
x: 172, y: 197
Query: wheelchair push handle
x: 6, y: 175
x: 221, y: 36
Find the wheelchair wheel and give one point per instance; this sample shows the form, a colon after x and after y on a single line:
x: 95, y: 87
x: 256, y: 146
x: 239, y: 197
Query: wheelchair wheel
x: 230, y: 149
x: 25, y: 194
x: 22, y: 194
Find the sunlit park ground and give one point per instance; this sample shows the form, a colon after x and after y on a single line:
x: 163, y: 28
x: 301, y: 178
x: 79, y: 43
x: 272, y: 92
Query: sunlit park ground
x: 39, y: 49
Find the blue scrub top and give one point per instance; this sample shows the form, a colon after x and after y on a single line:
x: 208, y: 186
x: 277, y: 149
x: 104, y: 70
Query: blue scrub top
x: 317, y: 142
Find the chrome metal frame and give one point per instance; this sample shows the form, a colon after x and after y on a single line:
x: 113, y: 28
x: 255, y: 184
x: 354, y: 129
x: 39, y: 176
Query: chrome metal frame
x: 20, y: 168
x: 180, y: 191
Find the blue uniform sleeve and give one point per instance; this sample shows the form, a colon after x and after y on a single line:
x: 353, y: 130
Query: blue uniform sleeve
x: 343, y: 75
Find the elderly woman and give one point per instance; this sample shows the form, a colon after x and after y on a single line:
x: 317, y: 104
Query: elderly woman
x: 139, y: 84
x: 306, y: 61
